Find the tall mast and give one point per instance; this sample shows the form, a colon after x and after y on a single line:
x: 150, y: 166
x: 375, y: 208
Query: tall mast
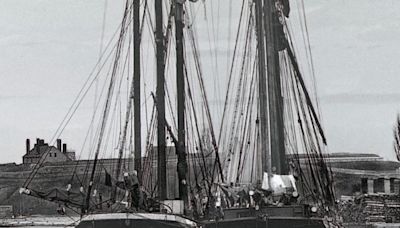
x: 162, y: 169
x: 275, y: 99
x: 105, y: 114
x: 263, y: 112
x: 136, y: 90
x: 135, y: 96
x: 180, y: 80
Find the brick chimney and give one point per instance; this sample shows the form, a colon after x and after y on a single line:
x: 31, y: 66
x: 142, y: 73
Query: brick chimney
x: 64, y: 150
x: 28, y: 145
x: 37, y: 145
x: 59, y: 144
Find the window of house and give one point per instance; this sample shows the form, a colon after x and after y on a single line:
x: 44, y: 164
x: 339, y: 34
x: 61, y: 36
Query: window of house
x: 55, y: 154
x: 50, y: 154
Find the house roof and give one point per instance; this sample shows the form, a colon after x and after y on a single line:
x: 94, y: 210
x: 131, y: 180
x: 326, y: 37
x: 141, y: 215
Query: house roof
x: 37, y: 151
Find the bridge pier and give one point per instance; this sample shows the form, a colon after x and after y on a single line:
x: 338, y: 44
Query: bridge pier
x: 396, y: 187
x: 387, y: 186
x: 370, y: 186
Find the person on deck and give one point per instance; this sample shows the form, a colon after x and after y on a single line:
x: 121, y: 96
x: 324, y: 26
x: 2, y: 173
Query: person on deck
x: 61, y: 209
x: 132, y: 185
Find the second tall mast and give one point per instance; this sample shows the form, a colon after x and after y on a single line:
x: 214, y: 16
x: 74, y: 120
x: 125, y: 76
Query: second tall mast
x: 162, y: 168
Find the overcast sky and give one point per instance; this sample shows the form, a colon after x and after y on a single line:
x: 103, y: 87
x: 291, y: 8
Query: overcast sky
x: 48, y: 47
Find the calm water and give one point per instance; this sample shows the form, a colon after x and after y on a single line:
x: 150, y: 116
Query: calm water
x: 55, y: 222
x: 45, y: 226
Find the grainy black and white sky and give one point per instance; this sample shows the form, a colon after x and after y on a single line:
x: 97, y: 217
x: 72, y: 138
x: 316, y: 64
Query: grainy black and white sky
x: 48, y: 47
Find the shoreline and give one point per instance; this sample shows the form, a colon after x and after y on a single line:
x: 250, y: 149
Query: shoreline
x: 39, y: 220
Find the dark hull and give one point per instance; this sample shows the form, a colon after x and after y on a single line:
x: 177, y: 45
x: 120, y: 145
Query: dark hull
x: 272, y: 222
x: 267, y: 217
x: 135, y: 220
x: 291, y: 216
x: 249, y: 222
x: 129, y: 223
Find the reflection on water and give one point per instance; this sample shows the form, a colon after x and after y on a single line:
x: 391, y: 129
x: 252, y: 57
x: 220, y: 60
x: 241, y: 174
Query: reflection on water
x: 45, y: 226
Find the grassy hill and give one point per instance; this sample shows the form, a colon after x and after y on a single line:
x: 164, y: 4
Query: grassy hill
x: 48, y: 178
x: 368, y: 165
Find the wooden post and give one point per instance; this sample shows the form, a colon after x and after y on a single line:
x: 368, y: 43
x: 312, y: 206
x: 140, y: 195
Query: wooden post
x: 162, y: 168
x: 180, y: 81
x: 275, y: 99
x: 262, y: 92
x: 136, y: 90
